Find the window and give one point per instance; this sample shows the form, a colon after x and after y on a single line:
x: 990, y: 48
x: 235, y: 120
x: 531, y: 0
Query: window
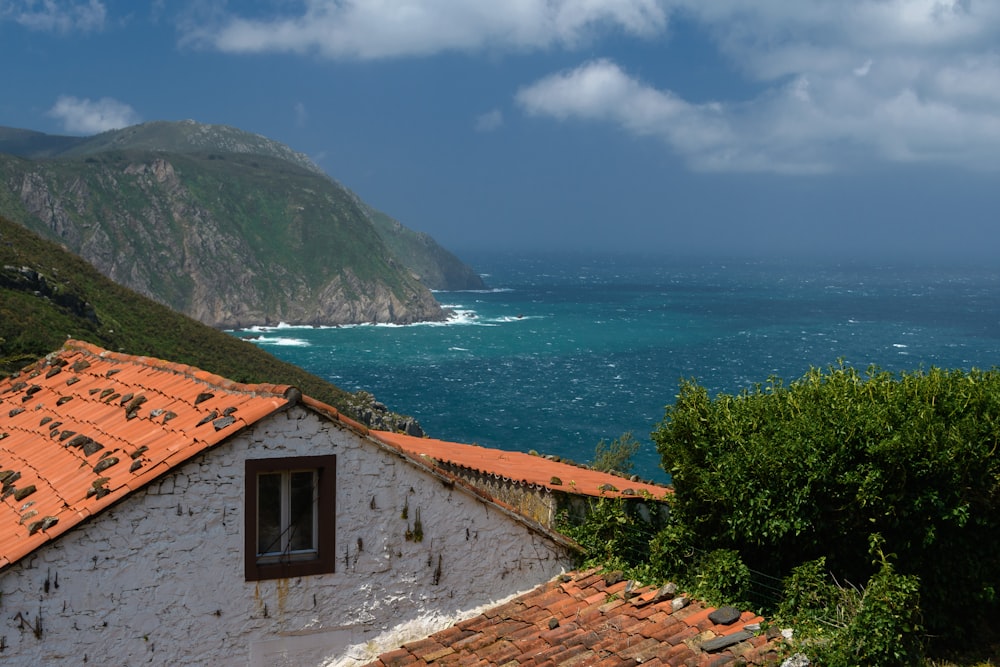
x: 290, y: 517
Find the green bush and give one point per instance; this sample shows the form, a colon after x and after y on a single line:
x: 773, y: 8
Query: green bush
x: 877, y: 625
x: 720, y: 577
x: 785, y: 475
x: 612, y: 535
x: 616, y: 456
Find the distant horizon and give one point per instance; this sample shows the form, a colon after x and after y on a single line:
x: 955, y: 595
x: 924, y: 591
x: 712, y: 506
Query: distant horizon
x: 979, y: 258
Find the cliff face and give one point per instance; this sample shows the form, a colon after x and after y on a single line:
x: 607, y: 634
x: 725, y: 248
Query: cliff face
x: 229, y: 238
x: 433, y: 265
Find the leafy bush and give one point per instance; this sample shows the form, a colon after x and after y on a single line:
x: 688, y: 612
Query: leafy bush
x: 721, y: 577
x: 616, y: 456
x: 785, y: 475
x: 613, y: 535
x: 841, y: 626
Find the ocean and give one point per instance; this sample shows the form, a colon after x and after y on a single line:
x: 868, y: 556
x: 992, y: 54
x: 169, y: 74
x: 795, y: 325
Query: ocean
x: 564, y: 351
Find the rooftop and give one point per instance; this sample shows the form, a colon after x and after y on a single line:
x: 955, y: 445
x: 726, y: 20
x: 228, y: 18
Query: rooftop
x: 85, y: 427
x: 524, y: 468
x: 594, y: 618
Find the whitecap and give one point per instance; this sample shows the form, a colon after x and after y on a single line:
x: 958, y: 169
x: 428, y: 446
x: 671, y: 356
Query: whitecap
x: 899, y: 345
x: 282, y: 341
x: 514, y: 318
x: 494, y: 290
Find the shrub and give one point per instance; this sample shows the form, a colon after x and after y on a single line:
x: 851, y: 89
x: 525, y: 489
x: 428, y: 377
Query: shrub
x: 785, y: 475
x: 612, y: 535
x: 616, y: 456
x: 838, y: 626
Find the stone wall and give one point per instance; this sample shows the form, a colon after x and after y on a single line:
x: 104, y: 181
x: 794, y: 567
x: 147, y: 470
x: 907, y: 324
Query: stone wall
x: 159, y: 578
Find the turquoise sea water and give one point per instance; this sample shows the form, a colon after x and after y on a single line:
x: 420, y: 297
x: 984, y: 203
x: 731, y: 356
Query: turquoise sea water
x: 564, y: 351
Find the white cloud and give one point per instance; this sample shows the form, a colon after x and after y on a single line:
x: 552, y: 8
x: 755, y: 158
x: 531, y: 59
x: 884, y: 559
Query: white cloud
x: 84, y: 116
x: 56, y: 15
x: 489, y: 121
x: 707, y: 135
x: 840, y: 82
x: 837, y: 81
x: 371, y: 29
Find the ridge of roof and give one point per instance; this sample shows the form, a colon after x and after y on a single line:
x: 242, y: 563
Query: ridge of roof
x: 84, y: 427
x: 592, y: 617
x: 525, y: 469
x: 286, y: 390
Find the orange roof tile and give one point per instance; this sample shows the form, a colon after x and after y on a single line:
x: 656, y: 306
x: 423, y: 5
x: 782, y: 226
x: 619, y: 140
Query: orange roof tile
x: 522, y: 468
x: 592, y: 618
x: 85, y: 427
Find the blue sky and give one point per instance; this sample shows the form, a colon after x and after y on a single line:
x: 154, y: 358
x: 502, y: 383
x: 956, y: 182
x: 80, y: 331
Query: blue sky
x: 816, y: 127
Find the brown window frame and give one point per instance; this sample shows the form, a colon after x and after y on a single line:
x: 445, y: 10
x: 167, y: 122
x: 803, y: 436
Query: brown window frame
x: 325, y: 560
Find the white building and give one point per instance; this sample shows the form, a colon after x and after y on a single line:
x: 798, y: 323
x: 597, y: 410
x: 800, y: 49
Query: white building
x: 153, y: 513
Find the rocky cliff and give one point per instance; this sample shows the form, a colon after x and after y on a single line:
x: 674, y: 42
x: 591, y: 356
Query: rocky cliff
x: 227, y: 227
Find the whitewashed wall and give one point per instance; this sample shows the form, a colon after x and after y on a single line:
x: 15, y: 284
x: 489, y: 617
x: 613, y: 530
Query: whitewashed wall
x: 159, y: 578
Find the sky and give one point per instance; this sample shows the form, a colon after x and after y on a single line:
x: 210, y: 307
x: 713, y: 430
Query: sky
x: 841, y: 128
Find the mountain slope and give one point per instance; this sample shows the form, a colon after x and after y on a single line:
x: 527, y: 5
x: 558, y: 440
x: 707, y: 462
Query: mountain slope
x: 28, y: 143
x: 436, y: 268
x: 187, y: 136
x: 48, y: 295
x: 228, y: 227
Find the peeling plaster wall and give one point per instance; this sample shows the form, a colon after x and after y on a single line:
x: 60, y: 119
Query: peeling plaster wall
x: 159, y: 579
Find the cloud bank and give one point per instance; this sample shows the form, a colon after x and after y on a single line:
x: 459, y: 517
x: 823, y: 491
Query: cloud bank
x: 841, y: 83
x: 373, y: 29
x: 84, y: 116
x: 61, y: 16
x: 837, y: 82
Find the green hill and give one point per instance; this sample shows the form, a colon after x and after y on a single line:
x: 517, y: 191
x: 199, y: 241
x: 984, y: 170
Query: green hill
x: 226, y: 226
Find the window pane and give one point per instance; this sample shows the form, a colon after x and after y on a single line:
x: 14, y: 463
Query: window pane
x: 268, y: 513
x: 302, y: 508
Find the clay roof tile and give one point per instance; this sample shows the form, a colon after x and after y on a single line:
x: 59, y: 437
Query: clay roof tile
x: 73, y: 421
x: 622, y: 632
x: 521, y: 468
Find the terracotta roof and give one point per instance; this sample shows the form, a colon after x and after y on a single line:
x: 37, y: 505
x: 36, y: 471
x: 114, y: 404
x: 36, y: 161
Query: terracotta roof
x: 85, y: 427
x: 522, y: 468
x: 590, y: 618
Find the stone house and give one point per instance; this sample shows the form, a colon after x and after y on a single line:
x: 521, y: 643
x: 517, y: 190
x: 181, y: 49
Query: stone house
x: 153, y: 513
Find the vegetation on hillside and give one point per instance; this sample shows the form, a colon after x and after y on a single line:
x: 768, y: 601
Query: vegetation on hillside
x: 436, y: 268
x: 229, y: 227
x: 48, y: 295
x: 862, y: 508
x: 221, y: 236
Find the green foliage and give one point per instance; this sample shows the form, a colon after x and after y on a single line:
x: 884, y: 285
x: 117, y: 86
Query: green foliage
x: 616, y: 456
x: 721, y: 577
x: 188, y: 210
x: 613, y: 535
x: 785, y: 475
x: 877, y: 625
